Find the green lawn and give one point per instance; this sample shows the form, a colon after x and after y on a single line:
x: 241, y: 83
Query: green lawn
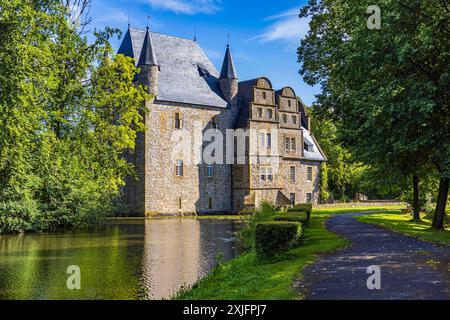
x: 397, y: 222
x: 246, y: 278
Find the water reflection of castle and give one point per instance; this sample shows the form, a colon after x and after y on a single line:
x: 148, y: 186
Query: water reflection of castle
x: 177, y: 253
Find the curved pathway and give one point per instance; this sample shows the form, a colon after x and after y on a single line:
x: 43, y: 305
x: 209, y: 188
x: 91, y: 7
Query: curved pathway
x: 410, y: 268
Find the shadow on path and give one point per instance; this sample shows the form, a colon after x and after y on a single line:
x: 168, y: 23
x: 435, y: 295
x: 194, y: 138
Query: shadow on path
x: 410, y: 268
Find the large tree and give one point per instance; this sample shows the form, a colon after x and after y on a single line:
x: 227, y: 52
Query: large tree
x: 388, y: 87
x: 68, y: 110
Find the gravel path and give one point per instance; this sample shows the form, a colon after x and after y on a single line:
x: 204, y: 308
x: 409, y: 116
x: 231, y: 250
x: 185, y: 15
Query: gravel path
x: 410, y: 268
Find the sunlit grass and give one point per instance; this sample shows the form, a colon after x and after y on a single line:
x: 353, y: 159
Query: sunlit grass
x: 247, y: 278
x: 398, y: 222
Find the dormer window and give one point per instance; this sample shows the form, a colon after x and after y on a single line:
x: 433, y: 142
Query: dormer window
x: 289, y: 103
x: 308, y: 147
x: 264, y: 94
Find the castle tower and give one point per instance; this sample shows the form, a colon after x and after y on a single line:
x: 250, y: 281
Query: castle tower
x: 228, y: 77
x: 149, y: 65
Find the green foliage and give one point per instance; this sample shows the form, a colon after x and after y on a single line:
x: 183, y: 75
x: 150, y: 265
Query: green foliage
x: 296, y: 216
x: 246, y: 234
x: 302, y: 207
x: 67, y: 113
x: 247, y: 277
x: 341, y: 175
x: 398, y: 222
x: 306, y: 207
x: 385, y: 90
x: 273, y: 239
x: 323, y: 183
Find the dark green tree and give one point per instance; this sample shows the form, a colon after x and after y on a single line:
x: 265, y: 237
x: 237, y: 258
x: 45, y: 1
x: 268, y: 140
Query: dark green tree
x: 67, y: 112
x: 387, y: 88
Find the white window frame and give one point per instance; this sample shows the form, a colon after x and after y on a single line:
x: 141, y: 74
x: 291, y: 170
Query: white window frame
x: 266, y: 174
x: 292, y: 173
x: 309, y: 173
x: 179, y: 170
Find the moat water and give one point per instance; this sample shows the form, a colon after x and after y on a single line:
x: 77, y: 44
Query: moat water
x: 129, y: 259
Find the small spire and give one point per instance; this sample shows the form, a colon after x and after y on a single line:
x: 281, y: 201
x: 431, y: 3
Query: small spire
x: 195, y: 34
x: 228, y: 40
x: 148, y: 56
x: 129, y: 21
x: 228, y: 70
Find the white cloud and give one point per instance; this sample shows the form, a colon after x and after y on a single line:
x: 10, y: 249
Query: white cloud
x: 286, y: 26
x: 187, y: 6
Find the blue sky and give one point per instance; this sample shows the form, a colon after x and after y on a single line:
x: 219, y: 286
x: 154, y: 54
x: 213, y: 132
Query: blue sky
x: 264, y: 34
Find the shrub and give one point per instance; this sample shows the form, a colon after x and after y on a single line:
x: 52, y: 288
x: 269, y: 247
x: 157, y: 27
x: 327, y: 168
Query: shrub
x: 306, y: 207
x: 274, y: 238
x: 246, y: 235
x: 291, y: 216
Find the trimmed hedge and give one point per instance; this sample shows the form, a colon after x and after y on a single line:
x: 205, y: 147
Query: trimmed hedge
x: 275, y: 238
x: 306, y: 207
x: 295, y: 216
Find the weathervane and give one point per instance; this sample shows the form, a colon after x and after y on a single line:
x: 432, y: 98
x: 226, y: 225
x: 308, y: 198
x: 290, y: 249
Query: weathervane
x: 228, y: 39
x: 148, y: 19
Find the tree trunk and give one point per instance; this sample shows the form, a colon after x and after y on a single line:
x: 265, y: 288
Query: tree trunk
x: 439, y: 213
x: 416, y: 206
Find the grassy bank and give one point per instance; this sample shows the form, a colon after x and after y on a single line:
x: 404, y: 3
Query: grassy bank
x: 247, y: 278
x: 397, y: 222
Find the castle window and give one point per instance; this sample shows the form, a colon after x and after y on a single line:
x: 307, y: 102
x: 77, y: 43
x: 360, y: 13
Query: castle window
x: 269, y: 113
x: 210, y: 203
x: 289, y: 103
x: 179, y: 202
x: 284, y: 118
x: 177, y: 123
x: 309, y: 173
x: 289, y: 144
x: 292, y: 173
x: 179, y: 168
x: 308, y: 147
x: 265, y: 140
x: 209, y: 170
x: 294, y: 119
x: 269, y: 140
x: 308, y: 197
x: 259, y: 112
x: 266, y: 174
x: 262, y: 140
x: 292, y: 198
x: 264, y: 94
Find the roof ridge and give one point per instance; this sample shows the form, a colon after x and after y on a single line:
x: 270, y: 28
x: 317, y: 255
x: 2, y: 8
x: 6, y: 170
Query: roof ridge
x: 164, y: 34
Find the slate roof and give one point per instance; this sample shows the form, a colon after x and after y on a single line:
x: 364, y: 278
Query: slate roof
x: 148, y: 56
x: 228, y: 70
x: 245, y: 97
x: 316, y: 154
x: 186, y: 74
